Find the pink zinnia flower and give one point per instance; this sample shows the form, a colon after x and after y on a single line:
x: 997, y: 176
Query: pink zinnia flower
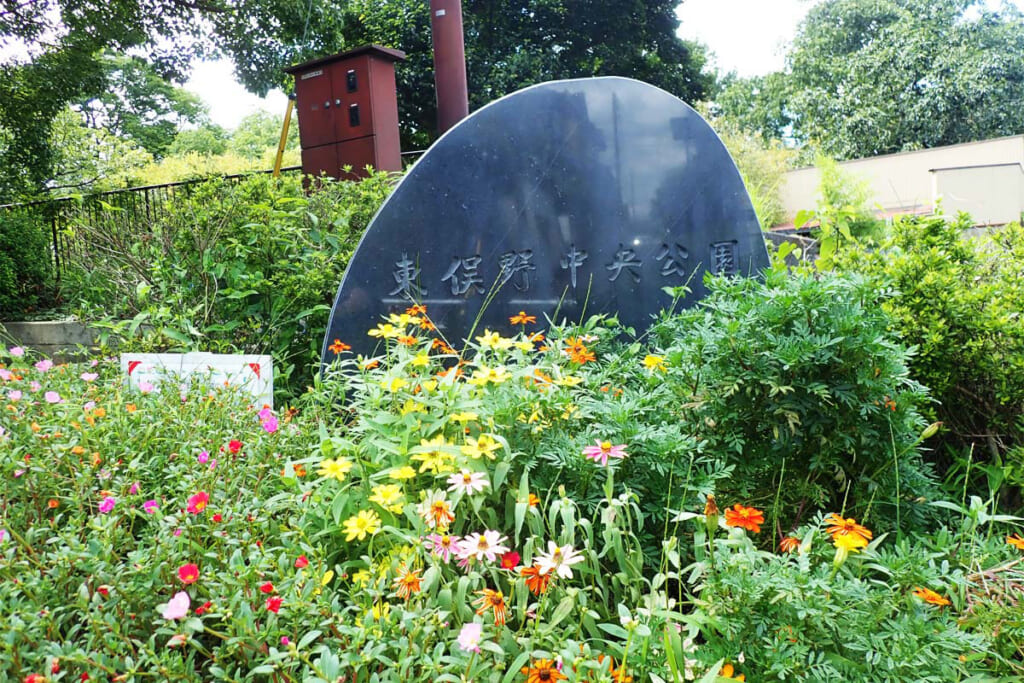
x: 558, y: 560
x: 479, y: 546
x: 52, y: 397
x: 150, y: 506
x: 14, y: 395
x: 442, y: 545
x: 16, y: 351
x: 469, y: 637
x: 604, y: 450
x: 44, y: 365
x: 34, y: 385
x: 467, y: 482
x: 107, y: 504
x: 88, y: 376
x: 177, y: 607
x: 146, y: 387
x: 286, y: 641
x: 198, y: 502
x: 6, y: 375
x: 89, y: 406
x: 265, y: 413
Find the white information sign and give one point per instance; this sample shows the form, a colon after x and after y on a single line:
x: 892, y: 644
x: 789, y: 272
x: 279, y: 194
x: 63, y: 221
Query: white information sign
x: 254, y: 374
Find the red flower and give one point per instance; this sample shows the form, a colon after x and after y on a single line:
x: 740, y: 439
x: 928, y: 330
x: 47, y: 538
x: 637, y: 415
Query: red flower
x: 198, y: 502
x: 83, y: 677
x: 789, y: 544
x: 203, y: 608
x: 301, y: 562
x: 104, y: 591
x: 35, y: 678
x: 267, y: 587
x: 188, y: 573
x: 234, y: 445
x: 274, y: 604
x: 218, y: 518
x: 509, y: 560
x: 55, y: 667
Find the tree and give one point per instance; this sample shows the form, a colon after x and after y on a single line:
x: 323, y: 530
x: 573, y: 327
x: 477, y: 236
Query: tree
x: 258, y: 132
x: 870, y: 77
x: 208, y: 139
x: 88, y: 158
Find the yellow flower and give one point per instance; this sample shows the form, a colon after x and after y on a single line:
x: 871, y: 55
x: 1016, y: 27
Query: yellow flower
x: 484, y: 374
x: 380, y: 611
x: 429, y: 386
x: 493, y: 340
x: 394, y: 384
x: 401, y: 473
x: 335, y: 469
x: 361, y: 578
x: 653, y: 363
x: 385, y: 331
x: 326, y: 579
x: 569, y: 381
x: 388, y: 496
x: 434, y: 459
x: 411, y: 406
x: 403, y: 319
x: 359, y: 526
x: 850, y: 542
x: 524, y: 345
x: 421, y: 359
x: 477, y: 448
x: 463, y: 418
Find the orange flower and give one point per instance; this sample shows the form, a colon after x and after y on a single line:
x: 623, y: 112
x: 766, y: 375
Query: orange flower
x: 543, y: 671
x: 417, y: 309
x: 533, y: 501
x: 407, y: 583
x: 1016, y: 541
x: 99, y: 412
x: 841, y: 527
x: 130, y: 408
x: 535, y: 581
x: 750, y: 519
x: 522, y: 319
x: 407, y: 340
x: 52, y: 503
x: 789, y: 544
x: 441, y: 513
x: 494, y: 600
x: 371, y: 365
x: 77, y: 450
x: 339, y: 347
x: 581, y: 354
x: 442, y: 346
x: 931, y: 597
x: 710, y: 507
x: 727, y: 672
x: 425, y: 324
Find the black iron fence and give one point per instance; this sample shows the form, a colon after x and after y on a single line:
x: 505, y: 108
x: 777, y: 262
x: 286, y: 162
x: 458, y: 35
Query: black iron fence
x: 134, y: 209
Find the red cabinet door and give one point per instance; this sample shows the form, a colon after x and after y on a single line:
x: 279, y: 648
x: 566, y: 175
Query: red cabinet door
x: 316, y: 107
x: 350, y: 81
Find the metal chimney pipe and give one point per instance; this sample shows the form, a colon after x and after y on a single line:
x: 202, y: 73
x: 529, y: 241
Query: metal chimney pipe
x: 449, y: 62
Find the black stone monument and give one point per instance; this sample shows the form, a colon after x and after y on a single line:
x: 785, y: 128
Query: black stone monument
x: 564, y: 199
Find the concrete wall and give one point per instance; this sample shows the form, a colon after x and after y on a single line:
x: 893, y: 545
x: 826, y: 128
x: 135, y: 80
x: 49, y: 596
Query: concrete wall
x: 55, y: 339
x: 993, y: 195
x: 904, y: 182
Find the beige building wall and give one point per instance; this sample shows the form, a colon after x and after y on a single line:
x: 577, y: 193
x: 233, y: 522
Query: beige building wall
x: 993, y: 195
x: 905, y: 182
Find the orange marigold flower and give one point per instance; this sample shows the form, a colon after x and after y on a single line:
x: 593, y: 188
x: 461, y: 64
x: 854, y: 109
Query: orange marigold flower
x: 841, y: 527
x: 581, y: 355
x: 533, y: 501
x: 371, y: 365
x: 543, y: 671
x: 931, y: 597
x: 339, y: 347
x: 493, y: 600
x: 407, y: 583
x: 407, y: 340
x: 1016, y: 541
x: 522, y: 319
x: 535, y: 581
x: 750, y: 519
x: 425, y: 324
x: 789, y: 544
x: 418, y: 309
x: 727, y: 672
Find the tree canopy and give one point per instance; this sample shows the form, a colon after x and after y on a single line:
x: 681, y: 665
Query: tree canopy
x: 870, y: 77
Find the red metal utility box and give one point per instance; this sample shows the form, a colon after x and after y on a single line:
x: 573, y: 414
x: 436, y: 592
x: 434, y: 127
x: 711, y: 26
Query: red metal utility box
x: 348, y: 112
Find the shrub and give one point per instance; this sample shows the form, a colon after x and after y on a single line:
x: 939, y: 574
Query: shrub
x: 26, y: 262
x: 958, y: 302
x: 796, y: 385
x: 251, y: 268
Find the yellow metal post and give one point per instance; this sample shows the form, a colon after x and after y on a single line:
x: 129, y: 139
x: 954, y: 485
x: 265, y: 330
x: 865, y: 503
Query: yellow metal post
x: 284, y: 137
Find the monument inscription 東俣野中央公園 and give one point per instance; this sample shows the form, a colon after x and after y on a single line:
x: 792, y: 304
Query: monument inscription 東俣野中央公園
x: 575, y: 197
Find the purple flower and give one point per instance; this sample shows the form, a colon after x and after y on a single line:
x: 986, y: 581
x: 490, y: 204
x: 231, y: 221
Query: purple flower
x: 604, y: 450
x: 88, y: 376
x: 53, y: 397
x: 203, y: 457
x: 213, y: 463
x: 16, y: 351
x: 265, y: 413
x: 177, y: 532
x: 107, y: 504
x: 18, y: 473
x: 150, y: 506
x: 44, y: 365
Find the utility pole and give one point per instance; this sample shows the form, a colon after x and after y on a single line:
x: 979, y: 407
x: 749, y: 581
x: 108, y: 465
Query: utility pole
x: 449, y: 62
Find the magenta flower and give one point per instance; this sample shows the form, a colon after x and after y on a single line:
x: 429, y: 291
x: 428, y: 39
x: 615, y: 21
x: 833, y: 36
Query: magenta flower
x: 479, y: 546
x: 177, y: 607
x: 265, y: 413
x: 133, y: 489
x: 269, y: 424
x: 203, y: 457
x: 469, y: 637
x: 44, y: 365
x: 107, y: 504
x: 14, y: 395
x: 52, y: 397
x: 604, y: 450
x: 150, y: 506
x: 16, y: 351
x: 88, y: 376
x: 442, y: 545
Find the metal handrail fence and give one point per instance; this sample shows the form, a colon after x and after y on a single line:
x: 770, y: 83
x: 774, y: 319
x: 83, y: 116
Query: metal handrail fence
x: 137, y: 208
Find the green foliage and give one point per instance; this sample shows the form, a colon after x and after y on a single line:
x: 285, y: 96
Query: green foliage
x: 26, y: 269
x: 795, y: 384
x: 259, y: 131
x: 248, y: 267
x: 867, y: 77
x: 958, y: 302
x: 85, y: 158
x: 207, y: 140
